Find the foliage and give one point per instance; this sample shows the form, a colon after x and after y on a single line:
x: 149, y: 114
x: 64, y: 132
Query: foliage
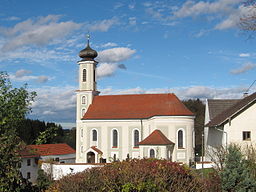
x: 197, y: 107
x: 248, y: 19
x: 133, y: 175
x: 14, y: 105
x: 236, y: 175
x: 46, y: 136
x: 217, y: 155
x: 43, y: 180
x: 29, y: 131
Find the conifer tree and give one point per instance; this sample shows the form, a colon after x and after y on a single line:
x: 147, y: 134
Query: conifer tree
x: 236, y: 176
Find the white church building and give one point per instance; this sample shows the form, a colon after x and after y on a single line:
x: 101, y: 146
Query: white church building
x: 116, y: 127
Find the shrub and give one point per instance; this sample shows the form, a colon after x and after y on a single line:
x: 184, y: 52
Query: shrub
x: 133, y: 175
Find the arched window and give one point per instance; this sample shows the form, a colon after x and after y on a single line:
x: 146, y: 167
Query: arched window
x: 94, y: 75
x: 84, y: 75
x: 83, y: 112
x: 82, y: 132
x: 115, y: 138
x: 152, y: 153
x: 83, y: 100
x: 94, y: 135
x: 136, y: 136
x: 180, y: 139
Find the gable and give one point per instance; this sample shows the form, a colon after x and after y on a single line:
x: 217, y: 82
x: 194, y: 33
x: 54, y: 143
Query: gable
x: 136, y: 106
x: 232, y: 111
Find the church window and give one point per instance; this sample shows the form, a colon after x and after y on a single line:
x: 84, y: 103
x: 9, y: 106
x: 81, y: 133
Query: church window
x: 152, y: 153
x: 83, y: 100
x: 84, y: 75
x: 94, y: 75
x: 136, y: 136
x: 94, y: 135
x: 180, y: 139
x: 28, y: 175
x: 83, y: 112
x: 82, y: 132
x: 114, y: 138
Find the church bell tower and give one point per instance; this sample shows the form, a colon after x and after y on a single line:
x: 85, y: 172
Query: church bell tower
x: 87, y: 79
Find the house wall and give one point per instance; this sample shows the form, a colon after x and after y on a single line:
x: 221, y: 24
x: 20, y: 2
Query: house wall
x: 67, y: 158
x: 168, y: 125
x: 245, y: 121
x: 33, y: 168
x: 232, y: 131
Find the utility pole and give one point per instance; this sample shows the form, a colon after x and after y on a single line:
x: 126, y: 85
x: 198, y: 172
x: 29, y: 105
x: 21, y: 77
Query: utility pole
x: 202, y: 153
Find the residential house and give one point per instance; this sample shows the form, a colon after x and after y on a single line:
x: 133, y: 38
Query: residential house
x: 230, y: 121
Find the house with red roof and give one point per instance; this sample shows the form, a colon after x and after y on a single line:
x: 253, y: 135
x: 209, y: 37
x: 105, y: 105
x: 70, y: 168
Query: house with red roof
x: 31, y: 154
x: 114, y: 127
x: 229, y: 121
x: 59, y: 152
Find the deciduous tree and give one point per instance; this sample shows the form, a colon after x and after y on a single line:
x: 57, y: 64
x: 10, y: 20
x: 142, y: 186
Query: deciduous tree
x: 14, y: 105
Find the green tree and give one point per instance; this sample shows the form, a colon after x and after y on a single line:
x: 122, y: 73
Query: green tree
x: 236, y: 175
x: 197, y: 107
x: 47, y: 136
x: 14, y: 105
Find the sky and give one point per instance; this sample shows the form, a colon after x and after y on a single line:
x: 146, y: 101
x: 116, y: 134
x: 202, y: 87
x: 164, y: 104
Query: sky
x: 194, y: 49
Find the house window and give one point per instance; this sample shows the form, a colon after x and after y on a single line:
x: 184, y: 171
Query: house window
x: 246, y: 135
x: 83, y: 100
x: 28, y: 175
x: 152, y: 153
x: 180, y: 139
x: 84, y: 75
x: 136, y: 136
x: 114, y: 138
x: 28, y: 162
x: 94, y: 135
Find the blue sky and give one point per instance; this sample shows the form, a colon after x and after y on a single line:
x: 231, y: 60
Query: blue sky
x: 192, y: 48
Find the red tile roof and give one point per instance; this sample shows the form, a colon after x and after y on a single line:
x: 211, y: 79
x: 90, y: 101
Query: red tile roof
x: 232, y: 111
x: 137, y: 106
x: 156, y: 138
x: 27, y: 152
x: 52, y: 149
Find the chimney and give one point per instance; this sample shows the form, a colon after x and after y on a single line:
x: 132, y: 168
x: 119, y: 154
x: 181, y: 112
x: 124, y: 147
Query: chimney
x: 245, y: 94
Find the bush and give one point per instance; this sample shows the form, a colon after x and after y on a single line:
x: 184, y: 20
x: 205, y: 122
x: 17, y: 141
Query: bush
x: 133, y: 175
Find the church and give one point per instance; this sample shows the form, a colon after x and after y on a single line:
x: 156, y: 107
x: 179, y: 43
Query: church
x: 117, y: 127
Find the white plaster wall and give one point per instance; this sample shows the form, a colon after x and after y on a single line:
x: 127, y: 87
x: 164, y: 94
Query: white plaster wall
x: 245, y: 121
x: 232, y: 132
x: 67, y: 158
x: 57, y: 171
x: 167, y: 124
x: 33, y: 168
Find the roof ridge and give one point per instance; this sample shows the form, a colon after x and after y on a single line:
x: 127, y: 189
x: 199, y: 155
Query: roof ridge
x: 136, y: 94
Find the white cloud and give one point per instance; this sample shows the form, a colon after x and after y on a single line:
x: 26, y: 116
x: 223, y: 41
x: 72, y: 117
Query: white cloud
x: 37, y: 32
x: 132, y: 21
x: 103, y: 25
x: 55, y: 104
x: 244, y: 55
x: 22, y: 75
x: 246, y: 67
x: 12, y: 18
x: 192, y: 8
x: 108, y: 69
x: 22, y: 72
x: 58, y: 104
x: 115, y: 55
x: 109, y: 44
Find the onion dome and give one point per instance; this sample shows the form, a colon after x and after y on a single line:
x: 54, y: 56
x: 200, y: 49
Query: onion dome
x: 88, y: 54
